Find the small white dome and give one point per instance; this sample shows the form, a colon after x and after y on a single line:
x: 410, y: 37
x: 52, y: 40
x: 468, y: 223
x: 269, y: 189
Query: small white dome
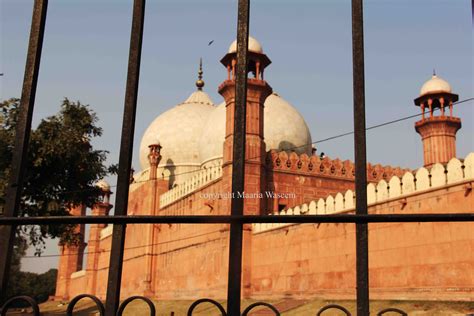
x: 157, y: 141
x: 435, y: 85
x: 103, y: 185
x: 178, y: 130
x: 254, y: 46
x: 284, y: 129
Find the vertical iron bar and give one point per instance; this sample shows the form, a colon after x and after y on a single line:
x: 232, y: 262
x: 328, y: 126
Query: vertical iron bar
x: 23, y: 128
x: 238, y: 160
x: 125, y: 160
x: 362, y: 248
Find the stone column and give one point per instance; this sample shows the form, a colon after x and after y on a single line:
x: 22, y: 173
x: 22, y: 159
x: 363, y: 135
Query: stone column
x: 94, y: 252
x: 70, y: 260
x: 438, y: 134
x: 257, y: 92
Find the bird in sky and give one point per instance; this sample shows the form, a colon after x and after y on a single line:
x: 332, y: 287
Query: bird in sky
x: 210, y: 43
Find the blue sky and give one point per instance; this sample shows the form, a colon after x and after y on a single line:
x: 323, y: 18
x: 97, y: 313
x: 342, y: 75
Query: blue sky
x: 309, y: 42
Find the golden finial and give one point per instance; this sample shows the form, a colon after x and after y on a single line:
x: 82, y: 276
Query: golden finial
x: 200, y: 82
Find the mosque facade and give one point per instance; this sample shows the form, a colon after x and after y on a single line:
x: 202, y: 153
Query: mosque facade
x: 186, y: 169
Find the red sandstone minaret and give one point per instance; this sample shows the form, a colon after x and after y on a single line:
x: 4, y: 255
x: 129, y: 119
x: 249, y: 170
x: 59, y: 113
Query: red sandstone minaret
x: 254, y: 182
x: 101, y: 208
x: 158, y: 186
x: 71, y: 258
x: 154, y: 158
x: 438, y: 129
x: 257, y: 91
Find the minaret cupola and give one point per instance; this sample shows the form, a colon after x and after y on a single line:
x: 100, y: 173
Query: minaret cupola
x: 437, y: 128
x: 258, y: 61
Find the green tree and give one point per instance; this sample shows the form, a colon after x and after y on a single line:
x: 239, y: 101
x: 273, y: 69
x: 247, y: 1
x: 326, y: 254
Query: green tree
x: 17, y: 286
x: 38, y: 286
x: 62, y: 167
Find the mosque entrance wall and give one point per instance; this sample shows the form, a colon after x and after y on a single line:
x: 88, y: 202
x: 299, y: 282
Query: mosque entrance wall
x: 432, y: 261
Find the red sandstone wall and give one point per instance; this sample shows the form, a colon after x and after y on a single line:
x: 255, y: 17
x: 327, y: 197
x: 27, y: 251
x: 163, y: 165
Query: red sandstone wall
x: 77, y: 286
x: 195, y: 270
x: 134, y: 263
x: 309, y: 178
x: 103, y: 267
x: 407, y: 260
x: 303, y: 260
x: 305, y: 188
x: 190, y: 261
x: 203, y: 201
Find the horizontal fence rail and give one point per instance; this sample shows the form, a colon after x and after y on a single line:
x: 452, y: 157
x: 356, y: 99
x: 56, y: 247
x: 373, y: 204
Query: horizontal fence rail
x: 245, y: 219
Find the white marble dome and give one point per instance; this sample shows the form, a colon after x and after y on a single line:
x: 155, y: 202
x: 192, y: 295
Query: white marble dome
x: 212, y: 137
x: 284, y: 129
x: 254, y: 46
x: 178, y: 131
x: 435, y: 85
x: 192, y: 133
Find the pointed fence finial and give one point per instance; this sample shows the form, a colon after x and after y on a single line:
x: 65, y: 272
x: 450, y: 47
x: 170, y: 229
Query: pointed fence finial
x: 200, y: 82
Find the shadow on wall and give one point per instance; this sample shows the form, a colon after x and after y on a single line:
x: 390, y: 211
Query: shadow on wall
x: 170, y: 172
x: 289, y: 146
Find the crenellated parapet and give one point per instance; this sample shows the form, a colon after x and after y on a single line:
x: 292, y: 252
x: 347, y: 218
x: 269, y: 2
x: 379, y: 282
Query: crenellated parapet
x: 314, y: 165
x: 200, y: 179
x: 423, y: 179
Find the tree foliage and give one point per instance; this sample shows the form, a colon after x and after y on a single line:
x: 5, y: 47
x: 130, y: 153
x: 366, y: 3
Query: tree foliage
x: 62, y: 166
x: 38, y: 286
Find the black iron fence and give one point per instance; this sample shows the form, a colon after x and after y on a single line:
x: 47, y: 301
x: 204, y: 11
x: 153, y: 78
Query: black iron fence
x: 152, y: 311
x: 10, y: 219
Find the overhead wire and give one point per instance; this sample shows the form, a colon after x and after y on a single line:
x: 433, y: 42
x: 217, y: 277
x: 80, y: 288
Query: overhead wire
x: 126, y: 248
